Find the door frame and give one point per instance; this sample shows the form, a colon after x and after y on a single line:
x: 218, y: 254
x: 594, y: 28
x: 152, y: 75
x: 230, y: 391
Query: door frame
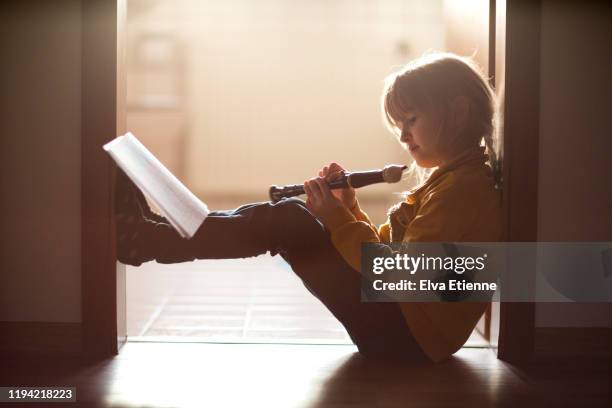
x: 520, y: 116
x: 103, y: 117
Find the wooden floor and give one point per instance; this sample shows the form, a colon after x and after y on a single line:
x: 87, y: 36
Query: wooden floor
x: 286, y: 376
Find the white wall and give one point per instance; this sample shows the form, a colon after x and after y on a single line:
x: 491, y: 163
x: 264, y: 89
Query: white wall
x: 277, y: 89
x: 575, y: 188
x: 40, y: 161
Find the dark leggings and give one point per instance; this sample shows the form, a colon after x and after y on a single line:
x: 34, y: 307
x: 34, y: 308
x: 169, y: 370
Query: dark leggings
x: 288, y: 228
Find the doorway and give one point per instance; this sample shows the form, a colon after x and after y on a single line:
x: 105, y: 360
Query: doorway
x: 218, y: 92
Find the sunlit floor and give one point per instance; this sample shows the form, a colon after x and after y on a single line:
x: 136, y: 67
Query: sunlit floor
x: 240, y: 300
x: 299, y: 376
x: 206, y: 375
x: 236, y: 300
x: 283, y: 376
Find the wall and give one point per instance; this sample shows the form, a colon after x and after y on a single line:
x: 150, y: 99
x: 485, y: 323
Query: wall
x: 40, y: 161
x: 275, y: 89
x: 575, y: 190
x: 466, y: 29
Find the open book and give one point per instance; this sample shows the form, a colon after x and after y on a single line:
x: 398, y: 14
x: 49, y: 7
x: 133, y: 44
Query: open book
x: 179, y: 205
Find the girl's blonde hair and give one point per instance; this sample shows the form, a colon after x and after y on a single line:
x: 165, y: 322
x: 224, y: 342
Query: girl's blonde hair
x: 432, y: 82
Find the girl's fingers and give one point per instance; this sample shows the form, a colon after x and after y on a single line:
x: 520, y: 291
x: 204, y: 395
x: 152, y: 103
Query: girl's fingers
x: 324, y: 190
x: 309, y: 206
x: 334, y: 176
x: 307, y: 189
x: 333, y: 167
x: 324, y: 171
x: 335, y: 171
x: 312, y: 189
x: 315, y: 187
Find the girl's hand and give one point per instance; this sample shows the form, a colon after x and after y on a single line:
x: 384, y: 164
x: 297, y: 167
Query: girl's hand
x: 320, y: 200
x: 333, y: 172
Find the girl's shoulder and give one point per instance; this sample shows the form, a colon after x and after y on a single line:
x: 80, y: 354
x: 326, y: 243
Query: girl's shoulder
x: 465, y: 184
x: 458, y: 206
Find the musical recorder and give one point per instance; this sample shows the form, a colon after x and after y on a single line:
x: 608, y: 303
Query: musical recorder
x: 389, y: 174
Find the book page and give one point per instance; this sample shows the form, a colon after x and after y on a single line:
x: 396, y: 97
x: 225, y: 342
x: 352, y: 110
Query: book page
x: 176, y: 202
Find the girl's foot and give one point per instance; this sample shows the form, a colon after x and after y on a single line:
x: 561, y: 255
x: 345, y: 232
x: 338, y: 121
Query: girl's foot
x: 142, y: 235
x: 128, y: 219
x: 140, y: 240
x: 130, y: 200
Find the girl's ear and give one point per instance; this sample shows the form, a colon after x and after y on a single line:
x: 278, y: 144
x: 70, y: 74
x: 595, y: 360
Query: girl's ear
x: 460, y: 110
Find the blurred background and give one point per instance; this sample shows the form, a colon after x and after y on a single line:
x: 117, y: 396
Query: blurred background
x: 236, y: 96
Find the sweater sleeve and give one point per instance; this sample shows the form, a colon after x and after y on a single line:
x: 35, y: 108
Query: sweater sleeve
x: 347, y: 234
x: 359, y: 214
x: 383, y: 230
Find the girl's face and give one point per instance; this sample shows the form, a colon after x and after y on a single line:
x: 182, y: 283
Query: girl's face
x: 420, y: 132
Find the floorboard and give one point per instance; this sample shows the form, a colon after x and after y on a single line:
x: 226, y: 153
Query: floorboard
x: 314, y: 376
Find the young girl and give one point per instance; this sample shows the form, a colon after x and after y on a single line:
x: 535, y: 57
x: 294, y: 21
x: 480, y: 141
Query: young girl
x: 442, y: 110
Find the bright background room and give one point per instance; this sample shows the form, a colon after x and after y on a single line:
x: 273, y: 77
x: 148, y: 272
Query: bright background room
x: 236, y: 96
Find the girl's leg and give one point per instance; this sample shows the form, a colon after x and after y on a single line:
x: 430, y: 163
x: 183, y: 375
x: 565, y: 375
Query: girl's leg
x: 143, y: 235
x: 378, y: 329
x: 289, y: 229
x: 223, y: 235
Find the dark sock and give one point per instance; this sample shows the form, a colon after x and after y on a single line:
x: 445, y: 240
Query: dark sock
x: 140, y: 240
x: 130, y: 200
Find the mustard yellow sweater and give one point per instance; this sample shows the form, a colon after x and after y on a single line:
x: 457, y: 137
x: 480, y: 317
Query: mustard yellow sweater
x: 457, y: 203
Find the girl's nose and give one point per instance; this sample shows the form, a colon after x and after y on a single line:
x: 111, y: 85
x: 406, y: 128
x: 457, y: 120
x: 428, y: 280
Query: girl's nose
x: 404, y: 136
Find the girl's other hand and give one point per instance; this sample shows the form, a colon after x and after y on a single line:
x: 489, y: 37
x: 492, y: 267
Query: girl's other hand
x: 332, y: 172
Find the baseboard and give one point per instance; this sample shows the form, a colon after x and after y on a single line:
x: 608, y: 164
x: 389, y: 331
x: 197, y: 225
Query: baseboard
x: 573, y: 342
x: 40, y: 337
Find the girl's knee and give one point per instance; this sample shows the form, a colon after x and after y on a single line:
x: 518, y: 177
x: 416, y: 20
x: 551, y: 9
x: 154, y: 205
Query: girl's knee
x: 293, y: 209
x: 295, y: 223
x: 291, y: 201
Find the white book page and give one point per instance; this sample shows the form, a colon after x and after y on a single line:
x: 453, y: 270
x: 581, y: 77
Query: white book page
x: 180, y: 206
